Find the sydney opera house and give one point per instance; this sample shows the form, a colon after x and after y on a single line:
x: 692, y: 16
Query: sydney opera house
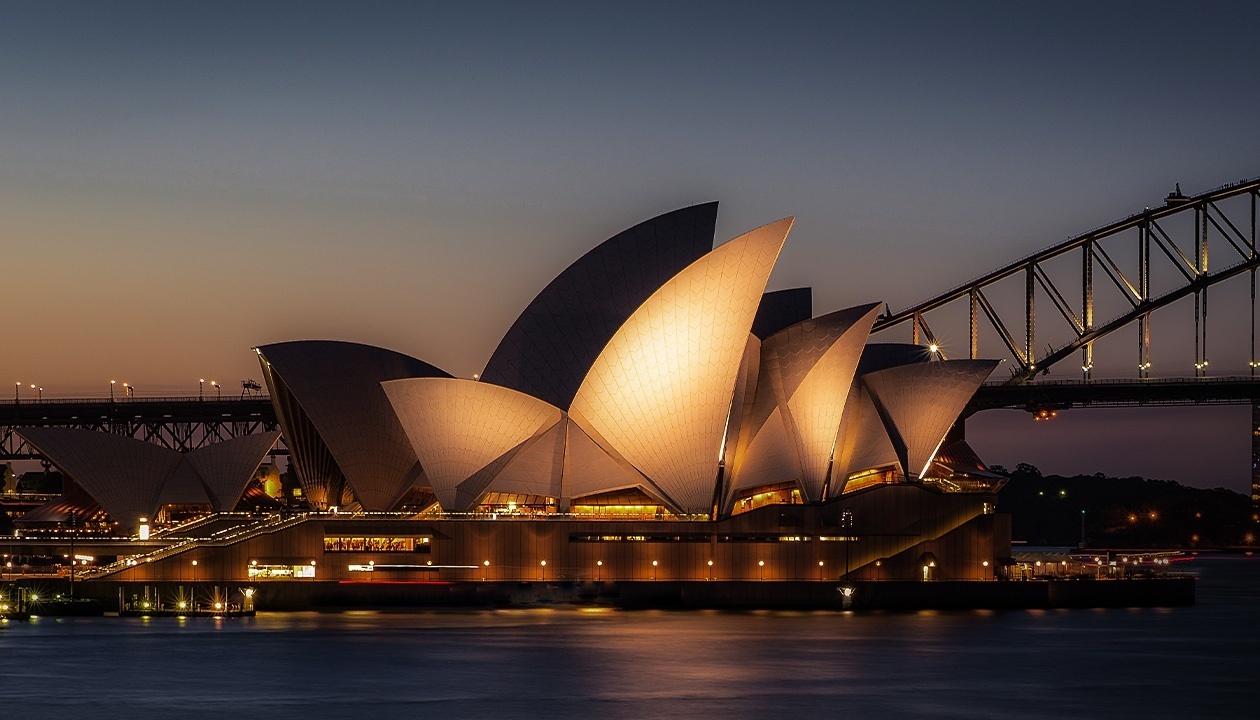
x: 653, y: 413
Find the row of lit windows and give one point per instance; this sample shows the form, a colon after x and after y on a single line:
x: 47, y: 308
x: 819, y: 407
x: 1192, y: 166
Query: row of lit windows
x: 376, y: 544
x: 704, y: 538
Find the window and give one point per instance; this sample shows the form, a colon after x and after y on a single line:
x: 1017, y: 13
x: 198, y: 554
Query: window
x: 377, y: 544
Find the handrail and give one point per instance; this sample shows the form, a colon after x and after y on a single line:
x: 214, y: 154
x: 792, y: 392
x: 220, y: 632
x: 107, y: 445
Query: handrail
x: 134, y: 400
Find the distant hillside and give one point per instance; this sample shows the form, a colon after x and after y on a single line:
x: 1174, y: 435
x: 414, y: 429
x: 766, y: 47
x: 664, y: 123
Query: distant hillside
x: 1130, y: 512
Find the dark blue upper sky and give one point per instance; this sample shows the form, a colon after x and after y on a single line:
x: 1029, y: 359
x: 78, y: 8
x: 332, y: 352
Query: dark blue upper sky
x: 181, y: 181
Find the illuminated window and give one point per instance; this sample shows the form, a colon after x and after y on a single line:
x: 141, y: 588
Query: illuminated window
x: 281, y: 572
x: 377, y: 544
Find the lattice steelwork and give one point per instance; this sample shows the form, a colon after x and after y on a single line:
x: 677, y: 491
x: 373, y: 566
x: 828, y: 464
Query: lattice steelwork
x: 1097, y: 251
x: 177, y: 423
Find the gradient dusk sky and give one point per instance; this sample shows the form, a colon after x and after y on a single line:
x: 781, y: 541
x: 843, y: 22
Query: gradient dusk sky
x: 182, y: 181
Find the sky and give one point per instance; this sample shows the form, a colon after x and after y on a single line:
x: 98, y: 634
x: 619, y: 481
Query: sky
x: 180, y: 182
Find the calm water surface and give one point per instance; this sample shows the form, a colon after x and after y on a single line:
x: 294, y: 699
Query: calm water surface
x: 1198, y: 662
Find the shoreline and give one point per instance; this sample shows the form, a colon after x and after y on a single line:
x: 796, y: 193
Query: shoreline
x: 894, y: 595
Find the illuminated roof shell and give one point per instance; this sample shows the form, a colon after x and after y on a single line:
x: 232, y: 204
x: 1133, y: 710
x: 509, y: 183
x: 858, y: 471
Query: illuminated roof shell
x: 919, y: 403
x: 336, y: 392
x: 466, y: 432
x: 862, y: 443
x: 548, y: 350
x: 660, y: 392
x: 810, y: 367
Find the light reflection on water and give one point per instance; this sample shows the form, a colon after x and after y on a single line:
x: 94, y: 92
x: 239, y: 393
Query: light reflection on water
x: 1181, y: 662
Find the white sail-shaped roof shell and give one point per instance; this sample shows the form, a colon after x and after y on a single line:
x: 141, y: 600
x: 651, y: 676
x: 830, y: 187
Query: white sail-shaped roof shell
x: 810, y: 368
x: 226, y: 467
x: 768, y: 458
x: 466, y: 432
x: 338, y: 387
x: 548, y: 350
x: 589, y: 469
x: 862, y: 443
x: 660, y: 391
x: 538, y: 469
x: 121, y: 473
x: 132, y: 479
x: 919, y: 403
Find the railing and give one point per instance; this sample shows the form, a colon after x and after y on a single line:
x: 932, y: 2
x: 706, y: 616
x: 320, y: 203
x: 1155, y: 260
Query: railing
x: 132, y: 400
x: 1206, y: 380
x: 227, y: 536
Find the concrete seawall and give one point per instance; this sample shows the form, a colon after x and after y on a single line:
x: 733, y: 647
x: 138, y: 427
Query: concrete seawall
x: 803, y: 595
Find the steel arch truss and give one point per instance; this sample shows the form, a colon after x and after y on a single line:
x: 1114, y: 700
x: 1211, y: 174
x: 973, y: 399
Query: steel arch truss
x: 1096, y: 249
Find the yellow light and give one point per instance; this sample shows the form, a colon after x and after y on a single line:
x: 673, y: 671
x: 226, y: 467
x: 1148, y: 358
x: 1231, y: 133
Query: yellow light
x: 820, y: 563
x: 194, y: 563
x: 182, y: 604
x: 985, y: 563
x: 654, y: 563
x: 543, y: 563
x: 710, y: 563
x: 218, y: 606
x: 486, y: 563
x: 599, y: 563
x: 761, y: 563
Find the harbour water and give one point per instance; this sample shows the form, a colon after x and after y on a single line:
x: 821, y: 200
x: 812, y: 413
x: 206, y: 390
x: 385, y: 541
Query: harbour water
x: 1189, y: 662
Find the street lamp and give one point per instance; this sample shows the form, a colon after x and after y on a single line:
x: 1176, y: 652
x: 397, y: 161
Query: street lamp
x: 485, y: 569
x: 111, y: 390
x: 599, y: 569
x: 201, y: 386
x: 218, y: 390
x: 820, y: 569
x: 654, y: 564
x: 542, y: 570
x: 710, y: 569
x: 762, y: 564
x: 16, y: 387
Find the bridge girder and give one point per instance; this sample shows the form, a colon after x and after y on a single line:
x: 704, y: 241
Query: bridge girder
x: 1209, y: 222
x: 180, y: 424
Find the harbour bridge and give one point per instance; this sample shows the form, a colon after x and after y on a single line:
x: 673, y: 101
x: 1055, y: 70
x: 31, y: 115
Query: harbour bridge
x: 1070, y: 297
